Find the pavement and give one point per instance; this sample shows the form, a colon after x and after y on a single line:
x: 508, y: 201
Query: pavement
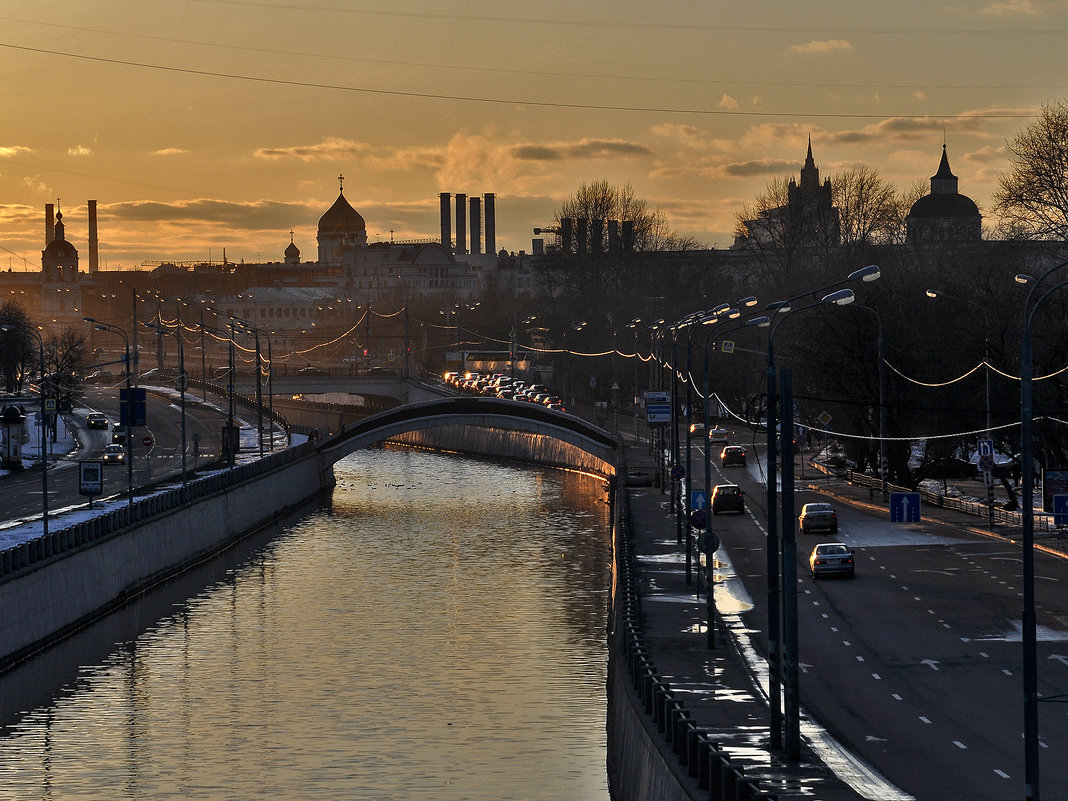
x: 725, y: 687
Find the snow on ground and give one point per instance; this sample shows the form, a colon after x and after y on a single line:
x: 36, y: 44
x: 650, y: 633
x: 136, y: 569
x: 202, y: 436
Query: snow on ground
x: 14, y: 532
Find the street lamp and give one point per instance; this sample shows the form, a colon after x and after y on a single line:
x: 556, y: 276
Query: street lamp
x: 249, y: 328
x: 127, y: 408
x: 177, y: 333
x: 783, y: 667
x: 43, y: 438
x: 633, y: 324
x: 1030, y: 634
x: 882, y: 395
x: 230, y: 440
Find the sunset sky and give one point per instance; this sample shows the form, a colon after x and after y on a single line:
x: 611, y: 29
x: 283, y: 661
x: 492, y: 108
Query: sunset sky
x: 200, y: 125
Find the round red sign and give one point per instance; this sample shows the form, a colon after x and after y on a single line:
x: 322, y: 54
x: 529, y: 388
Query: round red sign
x: 147, y: 441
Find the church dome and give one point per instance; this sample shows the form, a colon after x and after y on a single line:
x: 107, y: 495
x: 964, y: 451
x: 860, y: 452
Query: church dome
x: 292, y: 250
x: 341, y: 218
x: 930, y: 206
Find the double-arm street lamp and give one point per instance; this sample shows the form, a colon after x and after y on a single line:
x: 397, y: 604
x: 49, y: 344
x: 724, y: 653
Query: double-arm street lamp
x: 1030, y: 634
x: 782, y: 655
x: 127, y: 408
x: 42, y: 428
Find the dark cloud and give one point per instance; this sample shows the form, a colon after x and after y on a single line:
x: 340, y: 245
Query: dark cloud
x: 749, y: 169
x: 585, y: 149
x: 260, y: 215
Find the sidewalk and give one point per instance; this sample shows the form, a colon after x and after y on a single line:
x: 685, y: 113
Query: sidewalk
x: 715, y: 685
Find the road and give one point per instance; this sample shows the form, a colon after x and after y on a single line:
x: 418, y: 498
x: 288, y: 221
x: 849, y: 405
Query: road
x: 160, y: 461
x: 916, y: 663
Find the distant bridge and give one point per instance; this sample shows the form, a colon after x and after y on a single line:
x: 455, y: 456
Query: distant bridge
x: 506, y: 429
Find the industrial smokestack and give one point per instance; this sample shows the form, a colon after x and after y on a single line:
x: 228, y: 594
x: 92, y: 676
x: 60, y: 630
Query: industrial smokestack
x: 461, y: 224
x: 491, y: 223
x: 50, y: 223
x: 446, y: 220
x: 93, y: 244
x: 476, y: 225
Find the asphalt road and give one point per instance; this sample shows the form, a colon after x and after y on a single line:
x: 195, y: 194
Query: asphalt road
x: 159, y: 462
x: 916, y: 663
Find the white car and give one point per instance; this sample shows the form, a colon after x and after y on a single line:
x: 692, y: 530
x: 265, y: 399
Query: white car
x: 114, y: 453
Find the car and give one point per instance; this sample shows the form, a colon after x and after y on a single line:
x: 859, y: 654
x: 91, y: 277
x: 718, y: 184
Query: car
x: 818, y: 517
x: 118, y: 434
x: 311, y: 369
x: 98, y: 375
x: 96, y: 420
x: 732, y: 455
x: 114, y: 453
x: 831, y: 559
x: 727, y: 498
x: 718, y: 436
x: 697, y: 430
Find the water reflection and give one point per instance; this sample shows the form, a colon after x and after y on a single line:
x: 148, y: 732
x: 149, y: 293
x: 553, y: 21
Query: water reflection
x: 437, y: 633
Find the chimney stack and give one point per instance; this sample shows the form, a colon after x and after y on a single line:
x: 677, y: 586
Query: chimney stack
x: 93, y: 244
x: 446, y: 220
x: 491, y: 224
x: 476, y: 226
x: 461, y: 225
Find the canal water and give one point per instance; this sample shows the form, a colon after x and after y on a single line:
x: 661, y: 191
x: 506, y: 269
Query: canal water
x: 435, y: 631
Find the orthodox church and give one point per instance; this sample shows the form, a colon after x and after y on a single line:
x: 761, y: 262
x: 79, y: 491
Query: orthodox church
x: 944, y: 215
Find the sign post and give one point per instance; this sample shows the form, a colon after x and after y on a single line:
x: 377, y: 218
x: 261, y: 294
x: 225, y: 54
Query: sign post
x: 90, y: 480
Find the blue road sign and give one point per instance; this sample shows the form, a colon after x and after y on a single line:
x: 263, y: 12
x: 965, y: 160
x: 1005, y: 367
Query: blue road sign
x: 698, y: 518
x: 678, y: 471
x: 658, y: 413
x: 986, y: 447
x: 904, y: 507
x: 1060, y: 510
x: 698, y: 499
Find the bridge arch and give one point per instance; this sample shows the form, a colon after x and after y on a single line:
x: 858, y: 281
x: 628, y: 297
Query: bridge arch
x: 489, y: 427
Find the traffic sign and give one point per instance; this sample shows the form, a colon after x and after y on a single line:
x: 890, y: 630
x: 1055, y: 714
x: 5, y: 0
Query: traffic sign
x: 678, y: 471
x: 698, y: 499
x: 986, y: 447
x: 658, y: 412
x: 50, y: 404
x: 986, y: 462
x: 147, y: 440
x: 698, y: 518
x: 708, y: 542
x: 904, y: 507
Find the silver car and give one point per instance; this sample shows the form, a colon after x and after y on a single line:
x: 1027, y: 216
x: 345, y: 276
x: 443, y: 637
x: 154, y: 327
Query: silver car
x: 831, y: 559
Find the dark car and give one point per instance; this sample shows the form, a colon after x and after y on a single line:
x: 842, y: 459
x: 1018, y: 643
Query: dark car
x: 96, y: 420
x: 114, y: 453
x: 831, y: 559
x: 727, y: 498
x: 818, y: 517
x: 733, y: 455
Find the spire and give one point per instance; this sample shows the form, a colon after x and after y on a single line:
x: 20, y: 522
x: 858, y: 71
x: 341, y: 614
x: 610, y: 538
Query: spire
x: 944, y: 182
x: 809, y: 162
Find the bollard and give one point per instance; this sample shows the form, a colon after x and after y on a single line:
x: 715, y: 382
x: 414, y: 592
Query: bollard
x: 679, y: 718
x: 704, y: 751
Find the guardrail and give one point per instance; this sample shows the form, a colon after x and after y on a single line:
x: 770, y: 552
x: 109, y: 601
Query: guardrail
x: 1002, y: 516
x: 704, y: 757
x: 27, y: 554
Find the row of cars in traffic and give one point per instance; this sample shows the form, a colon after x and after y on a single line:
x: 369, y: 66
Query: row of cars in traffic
x: 826, y: 558
x: 115, y: 452
x: 499, y: 385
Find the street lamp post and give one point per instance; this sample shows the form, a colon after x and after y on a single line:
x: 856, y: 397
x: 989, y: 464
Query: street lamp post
x: 182, y: 381
x: 1030, y: 635
x: 43, y: 436
x: 882, y: 395
x: 782, y: 653
x: 127, y: 409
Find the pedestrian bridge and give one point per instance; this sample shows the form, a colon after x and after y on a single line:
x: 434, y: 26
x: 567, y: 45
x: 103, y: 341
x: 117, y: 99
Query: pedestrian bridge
x: 505, y: 429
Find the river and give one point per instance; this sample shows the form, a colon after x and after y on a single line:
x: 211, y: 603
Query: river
x: 436, y: 630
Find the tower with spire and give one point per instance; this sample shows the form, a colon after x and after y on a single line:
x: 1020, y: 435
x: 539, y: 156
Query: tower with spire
x: 944, y: 215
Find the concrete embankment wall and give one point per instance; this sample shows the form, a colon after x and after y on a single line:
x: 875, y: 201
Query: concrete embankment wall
x: 51, y: 586
x: 515, y: 446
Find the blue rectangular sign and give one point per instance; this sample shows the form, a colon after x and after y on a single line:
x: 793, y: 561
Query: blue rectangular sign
x: 904, y: 507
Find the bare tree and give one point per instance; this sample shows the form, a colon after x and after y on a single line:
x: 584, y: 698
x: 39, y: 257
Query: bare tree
x: 1032, y: 198
x: 871, y: 210
x: 17, y: 348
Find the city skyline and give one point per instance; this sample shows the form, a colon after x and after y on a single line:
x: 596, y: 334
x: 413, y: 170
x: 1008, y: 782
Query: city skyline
x: 211, y: 125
